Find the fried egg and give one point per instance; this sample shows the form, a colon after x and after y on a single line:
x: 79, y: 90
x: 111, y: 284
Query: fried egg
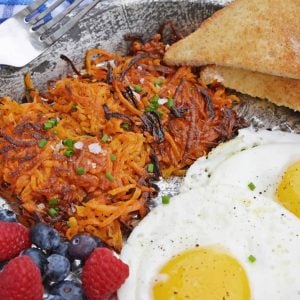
x: 211, y: 243
x: 265, y: 161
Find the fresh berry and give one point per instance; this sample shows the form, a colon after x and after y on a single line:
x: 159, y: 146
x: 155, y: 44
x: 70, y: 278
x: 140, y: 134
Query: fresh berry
x: 38, y: 257
x: 7, y: 215
x: 54, y: 297
x: 67, y: 290
x: 44, y: 236
x: 21, y: 280
x: 62, y: 248
x: 82, y: 245
x: 58, y: 268
x: 14, y: 238
x: 103, y: 274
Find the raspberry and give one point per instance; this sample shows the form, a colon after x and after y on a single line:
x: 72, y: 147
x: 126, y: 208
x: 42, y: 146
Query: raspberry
x: 14, y: 238
x: 103, y: 274
x: 21, y: 280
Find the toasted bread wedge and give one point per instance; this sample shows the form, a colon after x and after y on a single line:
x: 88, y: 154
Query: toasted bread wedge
x: 279, y: 90
x: 257, y: 35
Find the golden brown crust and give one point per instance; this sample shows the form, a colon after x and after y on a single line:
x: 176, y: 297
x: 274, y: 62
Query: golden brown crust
x: 279, y: 90
x: 258, y: 35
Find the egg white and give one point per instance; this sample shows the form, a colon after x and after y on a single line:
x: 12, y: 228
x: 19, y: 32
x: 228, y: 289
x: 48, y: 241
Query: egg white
x: 236, y: 220
x: 259, y: 157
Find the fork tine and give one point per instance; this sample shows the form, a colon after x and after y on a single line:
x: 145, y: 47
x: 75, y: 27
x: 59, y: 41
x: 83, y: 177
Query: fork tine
x: 57, y: 34
x: 59, y: 17
x: 29, y: 9
x: 46, y: 12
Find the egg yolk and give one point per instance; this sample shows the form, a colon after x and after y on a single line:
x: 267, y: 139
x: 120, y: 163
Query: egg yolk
x: 202, y: 273
x: 288, y: 190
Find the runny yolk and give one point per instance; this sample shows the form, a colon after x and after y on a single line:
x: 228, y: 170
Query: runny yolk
x: 288, y: 190
x: 202, y: 274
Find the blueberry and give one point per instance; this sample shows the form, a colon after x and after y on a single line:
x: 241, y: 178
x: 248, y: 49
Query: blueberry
x: 62, y: 248
x: 2, y: 265
x: 58, y: 267
x: 54, y: 297
x: 7, y: 215
x: 68, y: 290
x: 38, y: 256
x: 82, y: 245
x: 44, y: 236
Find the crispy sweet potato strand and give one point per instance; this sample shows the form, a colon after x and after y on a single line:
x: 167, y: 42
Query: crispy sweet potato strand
x: 91, y: 142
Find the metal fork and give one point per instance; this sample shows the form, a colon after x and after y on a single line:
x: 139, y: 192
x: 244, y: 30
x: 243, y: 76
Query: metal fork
x: 22, y: 39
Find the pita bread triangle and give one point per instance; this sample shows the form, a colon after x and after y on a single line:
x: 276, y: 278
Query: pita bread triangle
x: 257, y: 35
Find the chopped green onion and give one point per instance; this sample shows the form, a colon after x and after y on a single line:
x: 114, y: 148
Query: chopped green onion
x: 150, y: 168
x: 170, y: 102
x: 68, y: 224
x: 68, y: 142
x: 74, y: 107
x: 113, y: 157
x: 165, y: 199
x: 137, y: 88
x: 53, y: 202
x: 154, y: 104
x: 53, y: 121
x: 42, y: 143
x: 55, y: 131
x: 158, y: 82
x: 125, y: 126
x: 68, y: 152
x: 109, y: 176
x: 52, y: 212
x: 251, y: 186
x: 47, y: 125
x: 251, y: 258
x: 150, y: 108
x: 104, y: 138
x: 80, y: 171
x: 154, y: 100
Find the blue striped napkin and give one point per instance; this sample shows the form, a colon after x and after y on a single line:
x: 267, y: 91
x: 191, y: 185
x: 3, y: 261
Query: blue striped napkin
x: 10, y: 7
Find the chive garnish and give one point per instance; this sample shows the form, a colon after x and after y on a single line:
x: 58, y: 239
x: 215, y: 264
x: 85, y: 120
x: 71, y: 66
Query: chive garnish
x: 104, y: 138
x: 53, y: 202
x: 68, y: 152
x: 251, y: 186
x: 170, y: 102
x: 113, y: 157
x: 80, y: 171
x: 109, y: 176
x: 251, y: 258
x: 158, y: 82
x: 68, y: 142
x: 165, y: 199
x: 137, y: 88
x: 42, y: 143
x: 52, y: 212
x: 125, y: 126
x: 150, y: 168
x: 47, y: 125
x: 74, y: 107
x: 53, y: 121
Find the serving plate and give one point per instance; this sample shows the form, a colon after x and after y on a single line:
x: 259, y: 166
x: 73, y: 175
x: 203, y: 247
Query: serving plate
x: 107, y: 24
x: 105, y: 27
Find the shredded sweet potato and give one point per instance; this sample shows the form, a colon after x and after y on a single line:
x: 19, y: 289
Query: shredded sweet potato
x: 83, y: 155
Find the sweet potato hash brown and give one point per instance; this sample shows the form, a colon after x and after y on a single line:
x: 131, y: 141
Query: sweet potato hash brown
x: 84, y: 155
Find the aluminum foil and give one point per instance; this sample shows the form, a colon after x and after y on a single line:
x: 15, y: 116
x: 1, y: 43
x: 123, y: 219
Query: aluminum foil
x: 105, y: 27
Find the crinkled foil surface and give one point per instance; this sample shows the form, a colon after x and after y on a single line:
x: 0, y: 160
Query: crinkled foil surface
x: 105, y: 27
